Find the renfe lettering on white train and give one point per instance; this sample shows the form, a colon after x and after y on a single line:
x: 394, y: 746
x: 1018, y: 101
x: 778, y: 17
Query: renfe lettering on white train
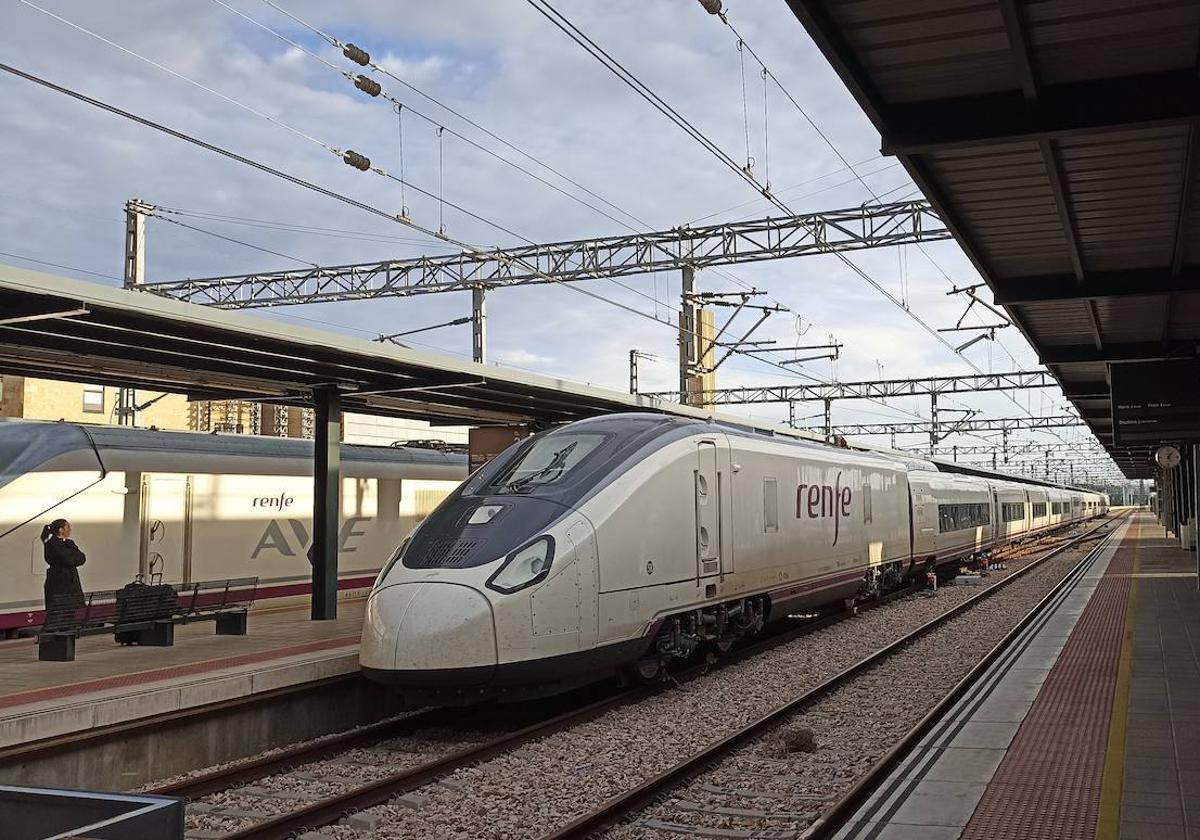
x: 279, y: 502
x: 822, y: 501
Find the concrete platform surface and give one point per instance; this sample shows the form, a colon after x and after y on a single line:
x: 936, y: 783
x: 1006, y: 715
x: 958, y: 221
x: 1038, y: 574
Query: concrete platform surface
x: 1089, y: 728
x: 108, y: 683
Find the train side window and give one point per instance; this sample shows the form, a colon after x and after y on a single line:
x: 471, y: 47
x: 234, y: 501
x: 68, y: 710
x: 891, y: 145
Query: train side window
x: 868, y: 502
x: 770, y: 505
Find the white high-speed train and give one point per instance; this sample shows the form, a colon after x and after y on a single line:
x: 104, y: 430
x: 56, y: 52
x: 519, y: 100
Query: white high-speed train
x: 209, y: 506
x: 627, y: 541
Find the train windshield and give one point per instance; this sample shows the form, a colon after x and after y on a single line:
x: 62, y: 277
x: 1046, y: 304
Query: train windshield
x: 548, y: 461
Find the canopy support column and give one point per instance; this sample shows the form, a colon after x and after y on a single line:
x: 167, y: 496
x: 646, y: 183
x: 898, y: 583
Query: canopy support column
x: 327, y: 501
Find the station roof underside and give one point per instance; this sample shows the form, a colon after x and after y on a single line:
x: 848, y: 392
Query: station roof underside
x: 58, y: 328
x: 1059, y: 142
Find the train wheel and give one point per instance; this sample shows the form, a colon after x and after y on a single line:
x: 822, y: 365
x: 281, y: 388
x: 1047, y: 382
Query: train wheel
x: 648, y: 669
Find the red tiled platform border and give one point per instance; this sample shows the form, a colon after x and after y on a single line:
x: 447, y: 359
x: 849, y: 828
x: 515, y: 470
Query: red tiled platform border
x: 1049, y: 783
x: 171, y: 672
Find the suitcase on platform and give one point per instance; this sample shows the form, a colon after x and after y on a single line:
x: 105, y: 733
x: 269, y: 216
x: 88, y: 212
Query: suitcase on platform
x: 140, y: 602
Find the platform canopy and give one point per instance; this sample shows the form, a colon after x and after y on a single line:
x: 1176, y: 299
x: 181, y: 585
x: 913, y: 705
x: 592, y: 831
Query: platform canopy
x: 1059, y: 142
x: 59, y: 328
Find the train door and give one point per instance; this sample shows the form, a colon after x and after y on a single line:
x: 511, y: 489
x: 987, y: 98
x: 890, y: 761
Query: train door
x: 998, y: 526
x: 708, y: 510
x: 166, y: 527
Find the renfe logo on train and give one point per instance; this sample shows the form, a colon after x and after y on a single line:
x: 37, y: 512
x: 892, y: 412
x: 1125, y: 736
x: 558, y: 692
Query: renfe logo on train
x: 277, y: 502
x: 821, y: 501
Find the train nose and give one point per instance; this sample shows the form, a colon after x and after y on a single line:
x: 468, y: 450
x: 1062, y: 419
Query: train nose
x: 425, y: 630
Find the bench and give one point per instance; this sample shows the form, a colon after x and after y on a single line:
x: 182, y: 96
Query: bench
x: 145, y: 615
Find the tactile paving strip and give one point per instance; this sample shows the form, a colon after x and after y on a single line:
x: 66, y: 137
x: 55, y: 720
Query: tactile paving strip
x: 1048, y: 785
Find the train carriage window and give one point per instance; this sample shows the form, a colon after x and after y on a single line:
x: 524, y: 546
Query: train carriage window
x: 1013, y: 511
x: 868, y: 502
x: 770, y: 505
x: 1039, y: 509
x: 963, y: 516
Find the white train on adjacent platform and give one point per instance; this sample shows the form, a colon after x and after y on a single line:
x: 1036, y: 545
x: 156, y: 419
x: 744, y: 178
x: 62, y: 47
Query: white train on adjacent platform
x: 209, y: 506
x: 627, y: 541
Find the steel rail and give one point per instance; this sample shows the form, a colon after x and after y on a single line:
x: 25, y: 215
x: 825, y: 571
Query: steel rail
x: 618, y: 807
x: 329, y: 810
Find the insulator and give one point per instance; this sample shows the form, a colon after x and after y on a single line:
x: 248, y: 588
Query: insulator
x: 358, y: 55
x: 356, y: 160
x: 367, y: 86
x: 713, y: 7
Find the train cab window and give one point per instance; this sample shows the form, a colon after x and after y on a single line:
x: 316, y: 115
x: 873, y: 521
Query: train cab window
x: 547, y: 461
x: 961, y: 517
x: 770, y: 505
x: 1039, y: 509
x: 1012, y: 511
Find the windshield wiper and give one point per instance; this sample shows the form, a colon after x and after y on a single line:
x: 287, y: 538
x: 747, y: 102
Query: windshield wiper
x: 556, y: 463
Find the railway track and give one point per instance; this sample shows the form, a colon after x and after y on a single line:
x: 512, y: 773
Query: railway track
x: 821, y: 824
x: 239, y: 778
x: 345, y: 791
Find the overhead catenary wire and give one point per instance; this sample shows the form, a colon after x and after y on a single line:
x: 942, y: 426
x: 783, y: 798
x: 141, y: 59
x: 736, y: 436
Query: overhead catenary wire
x: 614, y: 66
x: 233, y: 240
x: 35, y: 261
x: 355, y: 159
x: 363, y: 58
x: 376, y: 90
x: 267, y: 169
x: 329, y: 193
x: 743, y: 44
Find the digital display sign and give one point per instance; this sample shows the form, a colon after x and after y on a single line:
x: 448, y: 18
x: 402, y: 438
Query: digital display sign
x: 1155, y: 402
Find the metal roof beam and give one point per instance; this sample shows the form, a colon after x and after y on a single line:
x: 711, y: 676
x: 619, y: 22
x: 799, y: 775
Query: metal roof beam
x: 1065, y: 110
x: 1092, y: 390
x: 1141, y: 351
x: 1149, y: 282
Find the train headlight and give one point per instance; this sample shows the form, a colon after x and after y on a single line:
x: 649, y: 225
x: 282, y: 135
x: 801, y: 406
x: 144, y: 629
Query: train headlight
x: 524, y: 567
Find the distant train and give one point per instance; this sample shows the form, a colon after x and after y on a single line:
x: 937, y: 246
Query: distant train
x: 209, y: 506
x: 626, y: 542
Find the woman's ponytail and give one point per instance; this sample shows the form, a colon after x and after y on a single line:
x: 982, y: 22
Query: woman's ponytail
x: 52, y: 529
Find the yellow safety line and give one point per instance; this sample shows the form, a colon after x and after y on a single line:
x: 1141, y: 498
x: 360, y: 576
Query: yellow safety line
x: 1108, y: 823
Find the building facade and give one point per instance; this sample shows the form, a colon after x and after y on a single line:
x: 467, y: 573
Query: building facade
x: 28, y: 398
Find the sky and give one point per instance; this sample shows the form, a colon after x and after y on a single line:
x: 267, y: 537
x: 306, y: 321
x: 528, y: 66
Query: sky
x: 69, y: 170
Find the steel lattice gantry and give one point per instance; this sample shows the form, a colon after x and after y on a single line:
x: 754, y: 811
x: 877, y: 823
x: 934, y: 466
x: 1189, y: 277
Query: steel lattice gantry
x: 946, y: 427
x: 869, y: 226
x: 876, y: 389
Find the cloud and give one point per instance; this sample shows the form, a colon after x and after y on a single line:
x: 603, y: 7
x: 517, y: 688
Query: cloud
x: 69, y: 169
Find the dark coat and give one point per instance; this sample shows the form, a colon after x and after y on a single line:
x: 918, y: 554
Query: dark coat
x: 63, y: 558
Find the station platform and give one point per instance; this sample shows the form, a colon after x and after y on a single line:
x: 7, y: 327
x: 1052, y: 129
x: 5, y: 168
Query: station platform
x: 109, y: 684
x: 1087, y: 727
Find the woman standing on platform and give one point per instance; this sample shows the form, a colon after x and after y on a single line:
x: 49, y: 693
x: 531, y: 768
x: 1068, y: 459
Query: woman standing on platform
x: 63, y: 589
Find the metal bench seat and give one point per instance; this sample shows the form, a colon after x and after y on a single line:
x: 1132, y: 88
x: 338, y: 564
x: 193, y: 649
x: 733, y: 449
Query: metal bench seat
x: 145, y: 615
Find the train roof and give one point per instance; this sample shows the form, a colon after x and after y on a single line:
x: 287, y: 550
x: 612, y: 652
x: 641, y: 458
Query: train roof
x: 29, y: 445
x: 635, y: 422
